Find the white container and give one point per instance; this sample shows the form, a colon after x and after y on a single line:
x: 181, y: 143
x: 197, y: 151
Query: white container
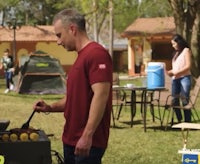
x: 130, y: 85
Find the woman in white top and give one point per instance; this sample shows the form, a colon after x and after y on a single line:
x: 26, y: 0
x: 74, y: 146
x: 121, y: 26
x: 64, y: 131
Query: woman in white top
x: 7, y: 64
x: 181, y: 75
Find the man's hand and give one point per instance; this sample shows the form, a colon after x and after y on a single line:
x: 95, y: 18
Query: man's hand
x: 83, y: 146
x: 41, y: 106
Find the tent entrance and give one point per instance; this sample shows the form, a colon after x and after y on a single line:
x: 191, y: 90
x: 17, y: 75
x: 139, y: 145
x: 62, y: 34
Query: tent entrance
x: 41, y: 75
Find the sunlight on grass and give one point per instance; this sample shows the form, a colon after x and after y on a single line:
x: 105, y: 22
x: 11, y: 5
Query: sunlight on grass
x: 126, y: 145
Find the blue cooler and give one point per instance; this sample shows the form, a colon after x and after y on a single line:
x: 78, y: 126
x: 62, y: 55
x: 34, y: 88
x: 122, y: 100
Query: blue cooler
x: 155, y: 75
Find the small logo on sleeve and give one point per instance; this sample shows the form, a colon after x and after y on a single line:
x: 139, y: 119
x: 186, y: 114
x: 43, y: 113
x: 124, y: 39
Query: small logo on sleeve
x: 102, y: 66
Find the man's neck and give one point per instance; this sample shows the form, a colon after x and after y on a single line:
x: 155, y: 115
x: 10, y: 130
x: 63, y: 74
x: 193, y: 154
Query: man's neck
x: 82, y: 42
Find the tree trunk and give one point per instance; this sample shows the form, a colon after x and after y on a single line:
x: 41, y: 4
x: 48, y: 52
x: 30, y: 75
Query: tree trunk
x: 195, y: 43
x: 111, y: 27
x: 178, y: 12
x: 187, y: 21
x: 95, y: 21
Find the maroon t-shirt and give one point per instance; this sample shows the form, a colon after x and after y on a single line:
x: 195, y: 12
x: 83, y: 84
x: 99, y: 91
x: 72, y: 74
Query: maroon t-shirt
x: 93, y: 65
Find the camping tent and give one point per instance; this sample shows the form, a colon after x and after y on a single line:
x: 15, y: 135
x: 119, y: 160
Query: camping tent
x: 41, y: 74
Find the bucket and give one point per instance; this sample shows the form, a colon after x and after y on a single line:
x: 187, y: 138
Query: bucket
x: 155, y: 75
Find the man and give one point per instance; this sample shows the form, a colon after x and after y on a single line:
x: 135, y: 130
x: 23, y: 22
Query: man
x: 88, y: 101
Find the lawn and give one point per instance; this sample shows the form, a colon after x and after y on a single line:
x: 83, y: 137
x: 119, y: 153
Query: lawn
x: 126, y: 145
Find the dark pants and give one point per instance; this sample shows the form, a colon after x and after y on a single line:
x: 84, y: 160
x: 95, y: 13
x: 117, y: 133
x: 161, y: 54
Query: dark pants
x: 9, y: 79
x: 181, y: 87
x: 94, y: 157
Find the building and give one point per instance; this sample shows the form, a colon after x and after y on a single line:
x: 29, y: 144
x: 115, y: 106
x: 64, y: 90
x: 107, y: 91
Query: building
x: 28, y: 39
x: 149, y: 40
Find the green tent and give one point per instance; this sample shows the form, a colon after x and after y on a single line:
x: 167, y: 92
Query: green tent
x: 41, y: 74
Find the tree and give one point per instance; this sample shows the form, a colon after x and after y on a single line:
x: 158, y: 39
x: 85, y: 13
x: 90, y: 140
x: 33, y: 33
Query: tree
x: 97, y: 12
x: 187, y: 19
x: 126, y: 11
x: 37, y: 12
x: 96, y: 15
x: 29, y: 12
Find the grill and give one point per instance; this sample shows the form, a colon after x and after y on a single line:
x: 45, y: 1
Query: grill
x: 27, y: 152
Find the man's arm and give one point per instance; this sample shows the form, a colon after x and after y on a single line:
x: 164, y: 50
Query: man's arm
x: 97, y: 109
x: 58, y: 106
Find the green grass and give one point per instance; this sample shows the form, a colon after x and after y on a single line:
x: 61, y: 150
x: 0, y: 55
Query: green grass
x: 126, y: 145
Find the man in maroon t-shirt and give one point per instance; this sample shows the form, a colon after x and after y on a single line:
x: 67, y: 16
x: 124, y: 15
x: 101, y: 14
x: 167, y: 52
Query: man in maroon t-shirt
x: 88, y: 102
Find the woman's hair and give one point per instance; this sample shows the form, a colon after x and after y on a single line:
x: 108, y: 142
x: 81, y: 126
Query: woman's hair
x: 68, y: 16
x: 180, y: 41
x: 7, y: 50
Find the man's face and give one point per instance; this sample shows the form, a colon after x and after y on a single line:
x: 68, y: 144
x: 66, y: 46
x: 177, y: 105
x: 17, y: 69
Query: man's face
x: 64, y: 36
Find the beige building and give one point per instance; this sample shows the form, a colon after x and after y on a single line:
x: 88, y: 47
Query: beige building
x: 29, y: 39
x: 149, y: 40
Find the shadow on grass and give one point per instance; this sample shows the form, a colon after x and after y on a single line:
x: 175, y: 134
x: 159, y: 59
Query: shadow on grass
x: 125, y: 124
x: 157, y: 128
x: 136, y: 122
x: 118, y: 127
x: 36, y: 96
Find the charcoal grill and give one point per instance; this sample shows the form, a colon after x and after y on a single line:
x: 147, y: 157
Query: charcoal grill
x: 27, y: 152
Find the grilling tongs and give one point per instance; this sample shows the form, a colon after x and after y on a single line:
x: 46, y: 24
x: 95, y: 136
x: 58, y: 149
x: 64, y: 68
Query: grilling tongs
x: 26, y: 124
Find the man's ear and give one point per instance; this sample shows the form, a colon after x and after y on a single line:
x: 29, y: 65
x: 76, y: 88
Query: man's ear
x: 73, y: 29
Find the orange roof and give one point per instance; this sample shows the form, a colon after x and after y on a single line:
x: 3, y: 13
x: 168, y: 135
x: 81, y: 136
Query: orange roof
x: 150, y: 26
x: 28, y: 33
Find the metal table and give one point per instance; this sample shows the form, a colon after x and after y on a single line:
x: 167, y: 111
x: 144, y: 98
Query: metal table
x: 144, y: 99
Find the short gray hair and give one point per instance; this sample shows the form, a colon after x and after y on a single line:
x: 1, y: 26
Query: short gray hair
x: 68, y: 16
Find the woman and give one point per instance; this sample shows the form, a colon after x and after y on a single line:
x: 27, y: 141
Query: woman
x: 181, y: 75
x: 8, y: 65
